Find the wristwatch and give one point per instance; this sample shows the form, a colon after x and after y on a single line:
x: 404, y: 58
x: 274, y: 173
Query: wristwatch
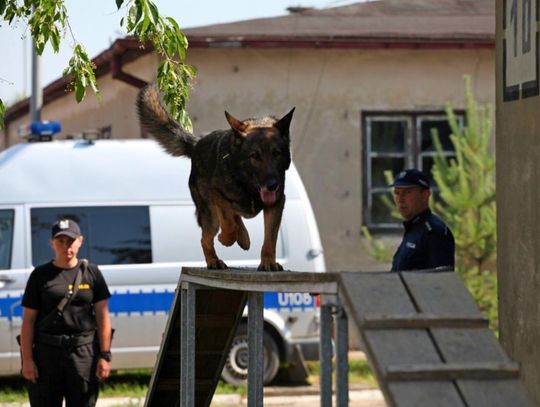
x: 107, y: 355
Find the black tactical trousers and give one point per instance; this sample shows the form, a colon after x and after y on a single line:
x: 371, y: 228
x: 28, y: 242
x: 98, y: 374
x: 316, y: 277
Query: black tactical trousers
x: 68, y: 373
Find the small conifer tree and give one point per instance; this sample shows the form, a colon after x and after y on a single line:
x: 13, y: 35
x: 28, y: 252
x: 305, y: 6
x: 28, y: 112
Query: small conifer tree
x: 466, y: 184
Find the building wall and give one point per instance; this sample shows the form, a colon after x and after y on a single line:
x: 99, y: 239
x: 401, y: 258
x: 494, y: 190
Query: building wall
x: 518, y: 226
x: 330, y: 89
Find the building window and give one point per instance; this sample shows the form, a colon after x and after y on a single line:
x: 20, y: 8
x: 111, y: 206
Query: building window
x: 394, y: 142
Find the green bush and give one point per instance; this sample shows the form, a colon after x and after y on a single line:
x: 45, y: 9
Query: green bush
x: 483, y: 287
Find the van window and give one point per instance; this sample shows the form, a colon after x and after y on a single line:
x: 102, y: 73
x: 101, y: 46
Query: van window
x: 112, y: 234
x: 6, y: 237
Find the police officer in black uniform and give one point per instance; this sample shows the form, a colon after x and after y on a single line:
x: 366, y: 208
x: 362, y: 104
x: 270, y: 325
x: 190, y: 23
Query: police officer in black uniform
x: 67, y: 356
x: 427, y: 243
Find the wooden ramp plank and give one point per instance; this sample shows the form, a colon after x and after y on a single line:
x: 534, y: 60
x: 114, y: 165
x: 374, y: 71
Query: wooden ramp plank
x: 373, y: 297
x: 218, y: 313
x: 495, y: 393
x: 422, y: 320
x: 391, y: 347
x: 369, y: 294
x: 424, y: 394
x: 441, y: 294
x: 474, y: 345
x: 427, y: 341
x: 451, y: 371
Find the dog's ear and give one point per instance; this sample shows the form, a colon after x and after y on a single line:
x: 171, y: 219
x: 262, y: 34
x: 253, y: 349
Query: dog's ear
x: 237, y: 125
x: 284, y: 123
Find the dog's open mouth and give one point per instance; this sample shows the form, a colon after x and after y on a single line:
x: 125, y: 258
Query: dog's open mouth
x: 268, y: 197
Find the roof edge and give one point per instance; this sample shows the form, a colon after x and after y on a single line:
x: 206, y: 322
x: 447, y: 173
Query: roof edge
x: 59, y: 87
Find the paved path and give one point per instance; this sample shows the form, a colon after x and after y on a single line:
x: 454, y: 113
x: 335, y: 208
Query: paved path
x: 357, y: 398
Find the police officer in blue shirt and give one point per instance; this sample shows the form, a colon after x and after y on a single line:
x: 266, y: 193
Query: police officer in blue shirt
x: 427, y: 242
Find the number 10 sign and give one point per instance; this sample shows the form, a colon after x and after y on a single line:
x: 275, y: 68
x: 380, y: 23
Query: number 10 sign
x: 520, y: 49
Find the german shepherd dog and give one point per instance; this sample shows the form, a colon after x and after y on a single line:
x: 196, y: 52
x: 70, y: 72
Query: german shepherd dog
x: 234, y: 173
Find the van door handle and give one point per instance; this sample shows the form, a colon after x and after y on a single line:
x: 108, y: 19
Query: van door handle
x: 313, y: 253
x: 5, y: 280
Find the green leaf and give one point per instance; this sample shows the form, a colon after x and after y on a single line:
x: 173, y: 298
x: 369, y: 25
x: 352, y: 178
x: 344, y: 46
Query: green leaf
x: 80, y: 92
x: 154, y: 12
x: 3, y: 6
x: 55, y: 41
x: 119, y: 3
x: 2, y: 113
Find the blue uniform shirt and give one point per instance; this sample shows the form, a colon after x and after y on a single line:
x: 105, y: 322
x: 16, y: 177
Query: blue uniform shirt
x: 427, y: 244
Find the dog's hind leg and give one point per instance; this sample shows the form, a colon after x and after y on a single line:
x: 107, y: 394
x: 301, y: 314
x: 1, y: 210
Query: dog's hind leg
x: 272, y: 221
x: 242, y: 233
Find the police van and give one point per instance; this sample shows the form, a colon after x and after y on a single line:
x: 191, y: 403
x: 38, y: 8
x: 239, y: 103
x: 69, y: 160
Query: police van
x: 133, y: 204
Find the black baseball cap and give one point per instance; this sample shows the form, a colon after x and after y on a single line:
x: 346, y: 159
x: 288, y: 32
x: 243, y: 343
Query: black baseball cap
x: 65, y: 227
x: 411, y: 178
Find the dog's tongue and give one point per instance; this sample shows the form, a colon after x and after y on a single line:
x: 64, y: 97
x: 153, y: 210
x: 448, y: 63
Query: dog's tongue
x: 268, y: 197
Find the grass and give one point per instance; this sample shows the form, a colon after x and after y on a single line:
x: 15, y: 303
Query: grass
x: 134, y: 383
x: 12, y: 390
x: 359, y: 373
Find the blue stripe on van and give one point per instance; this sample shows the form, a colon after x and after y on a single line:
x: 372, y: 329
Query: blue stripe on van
x: 141, y: 302
x: 153, y: 302
x: 11, y: 305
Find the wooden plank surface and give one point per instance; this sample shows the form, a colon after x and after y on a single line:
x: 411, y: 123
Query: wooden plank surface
x: 441, y: 294
x: 261, y: 281
x: 404, y: 347
x: 424, y: 394
x: 427, y: 326
x: 495, y: 393
x: 451, y: 371
x: 421, y: 320
x: 375, y: 294
x: 474, y: 345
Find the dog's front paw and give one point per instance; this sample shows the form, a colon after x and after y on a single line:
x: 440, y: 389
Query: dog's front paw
x: 216, y: 264
x: 270, y: 267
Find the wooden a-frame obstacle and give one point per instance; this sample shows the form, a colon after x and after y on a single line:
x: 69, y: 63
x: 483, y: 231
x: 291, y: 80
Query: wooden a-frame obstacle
x: 423, y: 335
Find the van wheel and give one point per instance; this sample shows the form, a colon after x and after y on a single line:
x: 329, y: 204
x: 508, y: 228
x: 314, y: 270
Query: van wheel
x: 236, y: 367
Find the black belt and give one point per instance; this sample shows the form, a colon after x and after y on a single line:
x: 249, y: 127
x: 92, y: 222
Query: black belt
x: 65, y: 341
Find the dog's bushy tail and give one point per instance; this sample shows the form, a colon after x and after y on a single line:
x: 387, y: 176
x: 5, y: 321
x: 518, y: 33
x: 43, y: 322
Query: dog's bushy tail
x: 156, y: 119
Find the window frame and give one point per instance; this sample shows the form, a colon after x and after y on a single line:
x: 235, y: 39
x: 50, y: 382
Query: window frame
x: 10, y: 248
x: 412, y: 154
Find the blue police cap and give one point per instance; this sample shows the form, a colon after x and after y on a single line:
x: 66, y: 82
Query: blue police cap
x: 411, y: 178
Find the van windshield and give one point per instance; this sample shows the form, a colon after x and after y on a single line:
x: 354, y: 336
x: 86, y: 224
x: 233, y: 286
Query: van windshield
x: 6, y: 237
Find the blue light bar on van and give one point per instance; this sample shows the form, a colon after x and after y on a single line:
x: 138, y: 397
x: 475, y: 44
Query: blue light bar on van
x: 45, y: 128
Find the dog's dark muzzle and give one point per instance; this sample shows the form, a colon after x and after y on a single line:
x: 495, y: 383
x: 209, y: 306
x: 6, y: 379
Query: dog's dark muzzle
x: 272, y: 186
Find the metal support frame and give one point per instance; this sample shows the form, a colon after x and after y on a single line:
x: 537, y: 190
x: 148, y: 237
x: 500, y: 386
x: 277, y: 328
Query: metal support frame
x: 187, y: 347
x: 255, y: 349
x: 328, y: 291
x: 325, y: 353
x: 342, y: 369
x: 331, y: 308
